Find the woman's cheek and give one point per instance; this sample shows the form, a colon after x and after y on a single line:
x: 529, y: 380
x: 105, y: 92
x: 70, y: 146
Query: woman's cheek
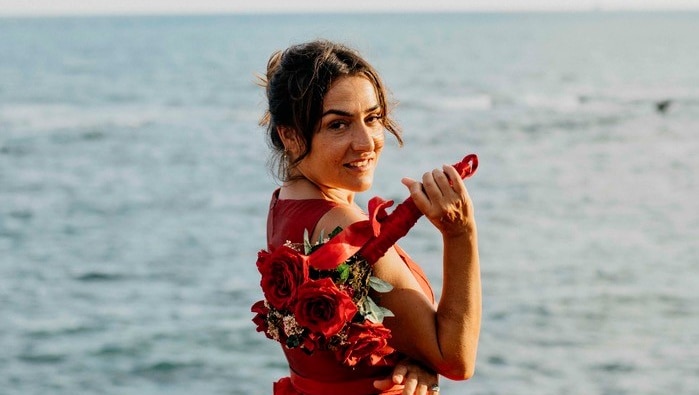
x: 379, y: 141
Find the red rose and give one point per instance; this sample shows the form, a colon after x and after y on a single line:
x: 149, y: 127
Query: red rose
x: 323, y: 308
x: 284, y: 387
x: 261, y: 317
x: 282, y: 272
x: 365, y: 340
x: 262, y: 256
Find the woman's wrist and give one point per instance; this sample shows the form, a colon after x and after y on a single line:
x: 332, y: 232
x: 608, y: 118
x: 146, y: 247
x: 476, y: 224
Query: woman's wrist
x: 467, y: 231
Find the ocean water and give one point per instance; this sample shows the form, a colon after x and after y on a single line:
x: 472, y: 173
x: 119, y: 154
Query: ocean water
x: 133, y: 193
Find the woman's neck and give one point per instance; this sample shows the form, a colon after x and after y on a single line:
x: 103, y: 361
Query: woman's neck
x: 303, y: 188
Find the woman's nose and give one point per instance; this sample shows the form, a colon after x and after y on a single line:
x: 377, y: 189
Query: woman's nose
x: 363, y: 138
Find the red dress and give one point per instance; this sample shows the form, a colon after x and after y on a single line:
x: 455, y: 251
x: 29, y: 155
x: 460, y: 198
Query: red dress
x: 320, y: 373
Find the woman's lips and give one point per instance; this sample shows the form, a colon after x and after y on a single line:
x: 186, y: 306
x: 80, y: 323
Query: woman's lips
x: 361, y: 165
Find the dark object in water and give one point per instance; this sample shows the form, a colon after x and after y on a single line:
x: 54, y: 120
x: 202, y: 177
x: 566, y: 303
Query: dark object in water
x: 663, y: 106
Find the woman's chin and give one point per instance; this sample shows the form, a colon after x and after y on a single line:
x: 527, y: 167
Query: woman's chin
x: 364, y: 186
x: 359, y: 184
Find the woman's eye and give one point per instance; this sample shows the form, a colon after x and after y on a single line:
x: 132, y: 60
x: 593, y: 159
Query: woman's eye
x: 337, y: 125
x: 373, y: 118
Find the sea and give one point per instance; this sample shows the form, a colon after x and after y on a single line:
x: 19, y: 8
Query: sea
x: 134, y: 187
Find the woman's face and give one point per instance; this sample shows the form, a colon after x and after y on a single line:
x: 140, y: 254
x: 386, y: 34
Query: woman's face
x: 346, y: 148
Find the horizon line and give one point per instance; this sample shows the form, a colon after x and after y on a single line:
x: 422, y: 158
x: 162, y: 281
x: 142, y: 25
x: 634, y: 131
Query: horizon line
x: 264, y: 12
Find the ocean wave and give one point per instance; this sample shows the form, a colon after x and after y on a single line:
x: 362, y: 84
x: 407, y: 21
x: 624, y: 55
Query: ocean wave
x: 22, y: 119
x: 166, y: 369
x: 45, y: 358
x: 568, y: 103
x: 476, y: 102
x: 643, y: 100
x: 480, y: 102
x: 97, y: 276
x: 560, y: 103
x: 52, y: 327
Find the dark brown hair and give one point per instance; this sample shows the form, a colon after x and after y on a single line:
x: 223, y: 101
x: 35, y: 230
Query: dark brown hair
x: 296, y: 83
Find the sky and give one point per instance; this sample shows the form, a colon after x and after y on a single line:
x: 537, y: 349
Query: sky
x: 111, y: 7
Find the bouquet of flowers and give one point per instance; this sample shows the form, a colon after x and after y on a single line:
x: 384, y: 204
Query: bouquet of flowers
x: 317, y: 295
x: 328, y: 307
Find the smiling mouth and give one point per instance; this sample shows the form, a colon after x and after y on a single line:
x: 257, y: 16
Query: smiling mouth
x: 359, y: 165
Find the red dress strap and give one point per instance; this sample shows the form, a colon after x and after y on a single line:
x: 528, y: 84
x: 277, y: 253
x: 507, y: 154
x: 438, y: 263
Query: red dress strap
x: 417, y: 272
x: 288, y: 219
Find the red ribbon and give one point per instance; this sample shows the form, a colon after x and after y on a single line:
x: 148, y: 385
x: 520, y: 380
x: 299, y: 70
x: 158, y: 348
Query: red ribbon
x: 373, y: 237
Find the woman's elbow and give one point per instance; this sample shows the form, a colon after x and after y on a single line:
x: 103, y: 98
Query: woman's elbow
x: 460, y: 370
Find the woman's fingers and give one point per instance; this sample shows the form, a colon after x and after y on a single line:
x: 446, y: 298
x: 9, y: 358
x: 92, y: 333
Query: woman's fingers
x: 410, y: 183
x: 384, y: 384
x: 455, y: 181
x: 415, y: 378
x: 411, y: 383
x: 417, y: 192
x: 399, y: 372
x: 442, y: 197
x: 443, y: 182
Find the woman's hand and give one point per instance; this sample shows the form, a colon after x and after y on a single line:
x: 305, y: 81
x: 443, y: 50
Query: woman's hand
x: 443, y: 198
x: 417, y: 379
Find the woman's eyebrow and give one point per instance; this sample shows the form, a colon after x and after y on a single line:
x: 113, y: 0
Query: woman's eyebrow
x: 333, y: 111
x: 337, y: 112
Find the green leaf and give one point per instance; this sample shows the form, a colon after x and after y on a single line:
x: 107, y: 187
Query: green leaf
x: 306, y: 243
x: 335, y: 232
x: 373, y: 312
x: 321, y: 237
x: 379, y: 285
x: 386, y: 312
x: 293, y: 341
x: 344, y: 271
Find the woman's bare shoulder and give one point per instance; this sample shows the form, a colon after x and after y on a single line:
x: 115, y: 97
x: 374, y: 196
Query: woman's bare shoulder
x: 341, y: 215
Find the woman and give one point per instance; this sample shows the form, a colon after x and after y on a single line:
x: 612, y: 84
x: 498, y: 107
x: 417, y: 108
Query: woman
x: 326, y: 122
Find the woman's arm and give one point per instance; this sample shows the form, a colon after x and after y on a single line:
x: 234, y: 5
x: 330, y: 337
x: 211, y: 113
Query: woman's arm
x: 444, y: 338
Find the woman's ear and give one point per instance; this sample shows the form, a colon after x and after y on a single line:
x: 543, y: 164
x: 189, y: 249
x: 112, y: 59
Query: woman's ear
x: 290, y: 139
